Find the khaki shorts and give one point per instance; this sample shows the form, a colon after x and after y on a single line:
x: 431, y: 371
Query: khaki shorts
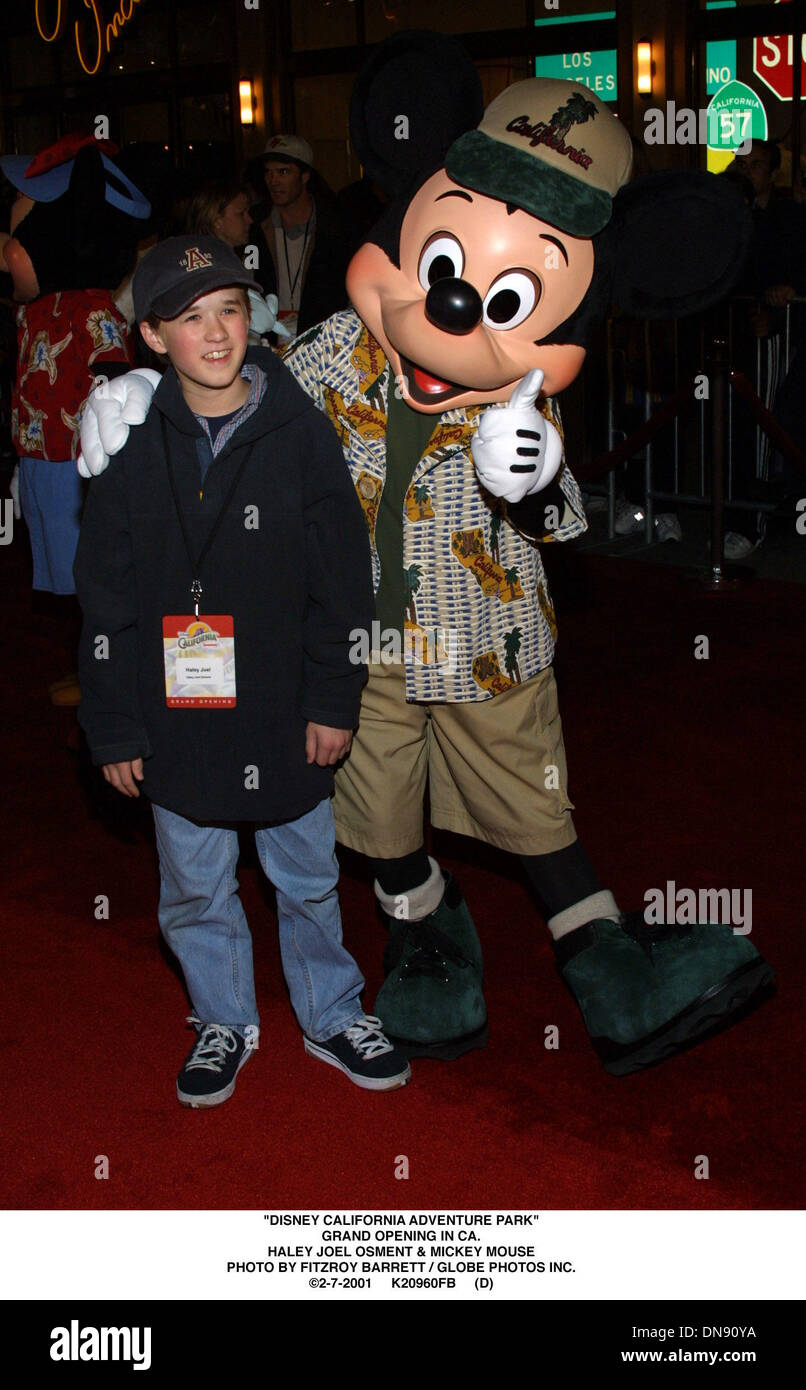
x: 487, y: 764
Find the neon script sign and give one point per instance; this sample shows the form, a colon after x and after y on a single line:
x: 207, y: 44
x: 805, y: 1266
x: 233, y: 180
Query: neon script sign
x: 93, y: 38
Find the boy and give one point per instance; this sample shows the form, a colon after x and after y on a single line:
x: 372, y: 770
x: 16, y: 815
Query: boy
x: 222, y: 563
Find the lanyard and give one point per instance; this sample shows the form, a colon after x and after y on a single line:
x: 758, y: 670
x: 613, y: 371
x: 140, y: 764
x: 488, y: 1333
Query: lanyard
x: 196, y: 590
x: 292, y: 287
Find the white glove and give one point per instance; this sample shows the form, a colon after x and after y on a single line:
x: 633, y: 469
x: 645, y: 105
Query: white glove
x: 515, y: 449
x: 14, y: 490
x: 263, y: 315
x: 108, y: 412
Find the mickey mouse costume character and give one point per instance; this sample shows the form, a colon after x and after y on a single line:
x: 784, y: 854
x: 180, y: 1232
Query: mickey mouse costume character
x: 508, y: 234
x: 74, y: 227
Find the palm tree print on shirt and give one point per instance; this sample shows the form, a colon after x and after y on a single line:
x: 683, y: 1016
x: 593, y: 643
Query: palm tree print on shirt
x: 495, y: 528
x: 512, y: 645
x: 411, y: 578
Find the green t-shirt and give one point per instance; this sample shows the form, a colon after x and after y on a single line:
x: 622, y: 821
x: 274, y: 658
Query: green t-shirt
x: 407, y: 434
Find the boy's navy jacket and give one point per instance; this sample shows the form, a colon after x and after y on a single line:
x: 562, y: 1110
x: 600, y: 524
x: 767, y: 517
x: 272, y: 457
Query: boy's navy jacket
x: 296, y: 584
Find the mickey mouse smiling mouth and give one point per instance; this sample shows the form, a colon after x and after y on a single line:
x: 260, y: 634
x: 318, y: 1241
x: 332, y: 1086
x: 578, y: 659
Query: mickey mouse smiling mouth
x: 478, y: 282
x: 425, y: 388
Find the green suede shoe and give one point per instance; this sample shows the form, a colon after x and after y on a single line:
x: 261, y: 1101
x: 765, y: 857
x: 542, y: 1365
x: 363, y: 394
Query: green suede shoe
x: 647, y: 992
x: 431, y: 1003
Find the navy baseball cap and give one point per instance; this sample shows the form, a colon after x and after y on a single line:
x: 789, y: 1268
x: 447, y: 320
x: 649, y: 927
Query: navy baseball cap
x: 180, y: 269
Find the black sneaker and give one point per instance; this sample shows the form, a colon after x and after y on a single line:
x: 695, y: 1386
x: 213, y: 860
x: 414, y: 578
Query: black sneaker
x: 364, y: 1054
x: 213, y: 1063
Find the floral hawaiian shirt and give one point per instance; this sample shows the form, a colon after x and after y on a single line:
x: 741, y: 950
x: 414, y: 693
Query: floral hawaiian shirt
x: 63, y: 341
x: 478, y: 612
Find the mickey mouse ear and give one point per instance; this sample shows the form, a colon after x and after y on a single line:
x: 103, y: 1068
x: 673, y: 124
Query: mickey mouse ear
x: 683, y: 238
x: 417, y: 93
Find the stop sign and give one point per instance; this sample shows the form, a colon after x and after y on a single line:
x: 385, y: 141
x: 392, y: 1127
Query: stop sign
x: 772, y: 62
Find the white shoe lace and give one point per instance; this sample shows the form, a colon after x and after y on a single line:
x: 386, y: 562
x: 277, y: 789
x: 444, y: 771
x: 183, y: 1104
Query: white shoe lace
x: 215, y: 1041
x: 367, y: 1037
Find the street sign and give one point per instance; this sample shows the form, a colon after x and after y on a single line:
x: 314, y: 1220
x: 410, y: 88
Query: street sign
x: 772, y: 62
x: 735, y: 114
x: 596, y: 69
x: 720, y: 54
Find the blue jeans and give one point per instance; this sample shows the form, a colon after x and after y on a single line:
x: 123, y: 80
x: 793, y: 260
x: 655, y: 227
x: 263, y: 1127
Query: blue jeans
x: 51, y: 497
x: 203, y: 921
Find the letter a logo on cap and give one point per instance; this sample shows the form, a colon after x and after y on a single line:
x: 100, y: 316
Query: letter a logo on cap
x: 194, y: 259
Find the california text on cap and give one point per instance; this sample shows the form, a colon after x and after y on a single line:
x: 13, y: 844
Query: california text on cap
x: 551, y: 147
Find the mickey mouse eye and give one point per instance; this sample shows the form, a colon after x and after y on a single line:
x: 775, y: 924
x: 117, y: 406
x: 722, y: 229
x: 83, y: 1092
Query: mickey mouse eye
x: 442, y: 256
x: 511, y: 299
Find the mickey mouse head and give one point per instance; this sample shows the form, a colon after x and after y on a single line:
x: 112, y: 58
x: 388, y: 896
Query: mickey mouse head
x: 505, y: 242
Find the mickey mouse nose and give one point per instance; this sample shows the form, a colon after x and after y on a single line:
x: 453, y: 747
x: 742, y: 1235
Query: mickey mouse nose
x: 453, y: 305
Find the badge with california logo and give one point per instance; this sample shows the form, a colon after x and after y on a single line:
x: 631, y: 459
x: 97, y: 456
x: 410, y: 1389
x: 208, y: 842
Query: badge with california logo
x: 199, y: 655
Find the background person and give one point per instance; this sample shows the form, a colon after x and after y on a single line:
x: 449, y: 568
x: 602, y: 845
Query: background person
x: 220, y: 208
x: 302, y: 250
x: 268, y: 687
x: 775, y: 272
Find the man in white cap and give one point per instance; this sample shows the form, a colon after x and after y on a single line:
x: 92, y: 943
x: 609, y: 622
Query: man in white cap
x: 305, y: 264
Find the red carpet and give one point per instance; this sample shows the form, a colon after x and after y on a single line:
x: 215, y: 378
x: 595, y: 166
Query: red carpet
x: 680, y: 769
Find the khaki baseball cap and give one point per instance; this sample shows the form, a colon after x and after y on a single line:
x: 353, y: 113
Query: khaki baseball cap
x: 289, y: 147
x: 551, y: 147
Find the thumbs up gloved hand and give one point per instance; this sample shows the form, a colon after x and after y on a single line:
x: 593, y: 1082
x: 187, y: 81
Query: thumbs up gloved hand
x: 515, y: 449
x: 108, y: 412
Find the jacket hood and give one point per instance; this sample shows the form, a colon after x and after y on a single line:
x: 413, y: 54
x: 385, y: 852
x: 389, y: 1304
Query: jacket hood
x: 283, y: 400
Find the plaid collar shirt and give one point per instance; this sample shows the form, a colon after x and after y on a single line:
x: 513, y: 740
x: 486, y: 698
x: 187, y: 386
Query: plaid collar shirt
x: 257, y: 386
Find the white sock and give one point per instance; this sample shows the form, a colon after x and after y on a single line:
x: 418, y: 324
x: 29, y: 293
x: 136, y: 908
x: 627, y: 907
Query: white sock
x: 597, y: 905
x: 415, y: 904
